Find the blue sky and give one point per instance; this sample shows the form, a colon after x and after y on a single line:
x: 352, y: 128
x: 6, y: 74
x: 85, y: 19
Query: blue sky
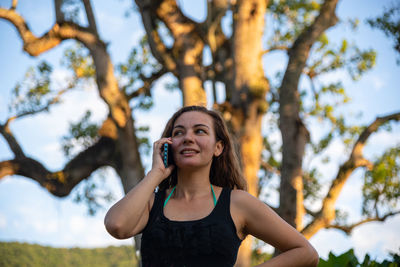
x: 28, y: 213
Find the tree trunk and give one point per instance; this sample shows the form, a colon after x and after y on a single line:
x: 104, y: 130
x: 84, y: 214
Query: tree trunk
x: 248, y: 91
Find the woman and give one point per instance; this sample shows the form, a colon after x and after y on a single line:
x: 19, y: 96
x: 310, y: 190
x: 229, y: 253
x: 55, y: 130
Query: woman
x: 201, y: 212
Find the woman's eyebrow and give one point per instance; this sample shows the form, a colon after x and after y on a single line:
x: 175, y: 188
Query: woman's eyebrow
x: 201, y: 125
x: 196, y: 125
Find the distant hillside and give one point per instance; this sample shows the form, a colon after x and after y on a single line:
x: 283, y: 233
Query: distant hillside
x: 24, y: 255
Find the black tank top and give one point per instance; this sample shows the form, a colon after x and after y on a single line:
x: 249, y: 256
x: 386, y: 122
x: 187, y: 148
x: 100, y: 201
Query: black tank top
x: 211, y: 241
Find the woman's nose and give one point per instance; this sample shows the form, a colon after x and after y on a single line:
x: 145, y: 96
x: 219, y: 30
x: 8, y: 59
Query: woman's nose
x: 188, y: 137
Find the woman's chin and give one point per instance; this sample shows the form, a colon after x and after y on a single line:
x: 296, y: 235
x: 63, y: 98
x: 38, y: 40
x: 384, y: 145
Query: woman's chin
x: 189, y: 164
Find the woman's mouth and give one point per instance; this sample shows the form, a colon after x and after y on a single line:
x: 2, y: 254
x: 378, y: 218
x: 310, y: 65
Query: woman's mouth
x: 188, y: 152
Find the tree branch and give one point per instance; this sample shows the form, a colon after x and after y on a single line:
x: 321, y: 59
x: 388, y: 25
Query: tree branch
x: 158, y: 48
x: 211, y: 30
x: 12, y: 142
x: 61, y: 183
x: 14, y: 4
x: 270, y: 168
x: 356, y: 159
x: 294, y: 133
x: 34, y: 46
x: 349, y: 228
x: 90, y: 16
x: 147, y: 83
x: 59, y: 14
x: 274, y: 48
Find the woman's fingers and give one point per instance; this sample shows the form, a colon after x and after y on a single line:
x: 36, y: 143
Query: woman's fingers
x: 158, y: 149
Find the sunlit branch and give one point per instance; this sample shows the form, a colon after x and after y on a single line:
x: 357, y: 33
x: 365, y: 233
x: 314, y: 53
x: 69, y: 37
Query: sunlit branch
x: 349, y: 228
x: 158, y: 48
x: 275, y: 48
x: 36, y: 45
x: 212, y: 25
x: 14, y: 4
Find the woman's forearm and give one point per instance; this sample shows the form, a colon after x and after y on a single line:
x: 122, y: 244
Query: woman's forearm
x: 124, y: 216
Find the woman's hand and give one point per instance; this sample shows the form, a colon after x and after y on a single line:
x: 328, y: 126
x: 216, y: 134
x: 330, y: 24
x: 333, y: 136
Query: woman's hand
x: 158, y: 163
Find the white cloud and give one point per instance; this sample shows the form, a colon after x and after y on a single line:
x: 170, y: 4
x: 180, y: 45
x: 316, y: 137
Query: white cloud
x: 77, y: 225
x: 3, y: 221
x: 380, y: 141
x: 377, y: 82
x: 377, y: 239
x: 44, y: 226
x: 326, y: 241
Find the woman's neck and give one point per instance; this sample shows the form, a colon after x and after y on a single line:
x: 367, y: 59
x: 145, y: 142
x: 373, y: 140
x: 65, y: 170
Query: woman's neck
x: 192, y: 184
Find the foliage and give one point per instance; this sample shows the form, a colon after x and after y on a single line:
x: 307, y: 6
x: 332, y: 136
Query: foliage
x: 132, y: 74
x: 382, y: 184
x: 33, y: 93
x: 24, y: 254
x: 77, y: 59
x: 94, y: 192
x: 82, y: 135
x: 389, y: 23
x: 348, y: 259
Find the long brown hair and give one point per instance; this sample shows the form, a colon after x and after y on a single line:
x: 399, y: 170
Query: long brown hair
x: 225, y: 169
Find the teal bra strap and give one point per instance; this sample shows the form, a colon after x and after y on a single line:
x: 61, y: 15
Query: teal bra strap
x: 173, y: 189
x: 169, y: 196
x: 215, y: 199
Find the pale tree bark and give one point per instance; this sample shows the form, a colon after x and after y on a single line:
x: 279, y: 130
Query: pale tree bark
x: 326, y: 215
x: 294, y: 133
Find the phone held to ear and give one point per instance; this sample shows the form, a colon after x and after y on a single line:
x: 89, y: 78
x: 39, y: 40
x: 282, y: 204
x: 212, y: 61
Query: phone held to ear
x: 165, y: 155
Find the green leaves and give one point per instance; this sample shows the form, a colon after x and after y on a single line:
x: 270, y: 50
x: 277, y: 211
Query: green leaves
x: 348, y: 259
x: 328, y: 57
x: 79, y: 60
x: 33, y: 94
x: 382, y: 183
x: 290, y: 18
x: 81, y: 135
x: 135, y: 75
x: 389, y: 23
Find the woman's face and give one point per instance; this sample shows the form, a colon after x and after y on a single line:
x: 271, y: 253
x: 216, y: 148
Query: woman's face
x: 193, y: 140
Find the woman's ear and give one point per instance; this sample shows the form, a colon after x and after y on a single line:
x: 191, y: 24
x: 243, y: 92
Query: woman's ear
x: 219, y: 148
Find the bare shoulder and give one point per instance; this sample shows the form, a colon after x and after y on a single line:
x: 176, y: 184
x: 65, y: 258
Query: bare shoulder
x: 242, y: 199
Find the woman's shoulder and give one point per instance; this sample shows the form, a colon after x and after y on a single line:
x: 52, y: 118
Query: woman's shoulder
x: 240, y: 194
x: 241, y: 198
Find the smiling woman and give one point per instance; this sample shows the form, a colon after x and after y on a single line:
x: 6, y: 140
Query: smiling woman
x: 201, y: 212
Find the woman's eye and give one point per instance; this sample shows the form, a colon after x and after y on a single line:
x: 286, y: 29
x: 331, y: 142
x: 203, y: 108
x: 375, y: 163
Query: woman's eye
x: 176, y: 133
x: 201, y: 131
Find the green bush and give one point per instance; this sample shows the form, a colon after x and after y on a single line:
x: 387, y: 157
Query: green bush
x: 24, y: 254
x: 348, y: 259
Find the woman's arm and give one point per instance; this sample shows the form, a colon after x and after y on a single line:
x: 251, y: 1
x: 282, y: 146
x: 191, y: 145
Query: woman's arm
x: 262, y: 222
x: 129, y: 216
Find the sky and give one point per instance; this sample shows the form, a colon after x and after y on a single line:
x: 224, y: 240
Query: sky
x: 28, y: 213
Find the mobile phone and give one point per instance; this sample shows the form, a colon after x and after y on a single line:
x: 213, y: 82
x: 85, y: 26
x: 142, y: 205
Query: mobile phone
x: 165, y: 155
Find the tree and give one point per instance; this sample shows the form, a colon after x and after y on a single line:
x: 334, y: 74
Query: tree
x: 178, y: 45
